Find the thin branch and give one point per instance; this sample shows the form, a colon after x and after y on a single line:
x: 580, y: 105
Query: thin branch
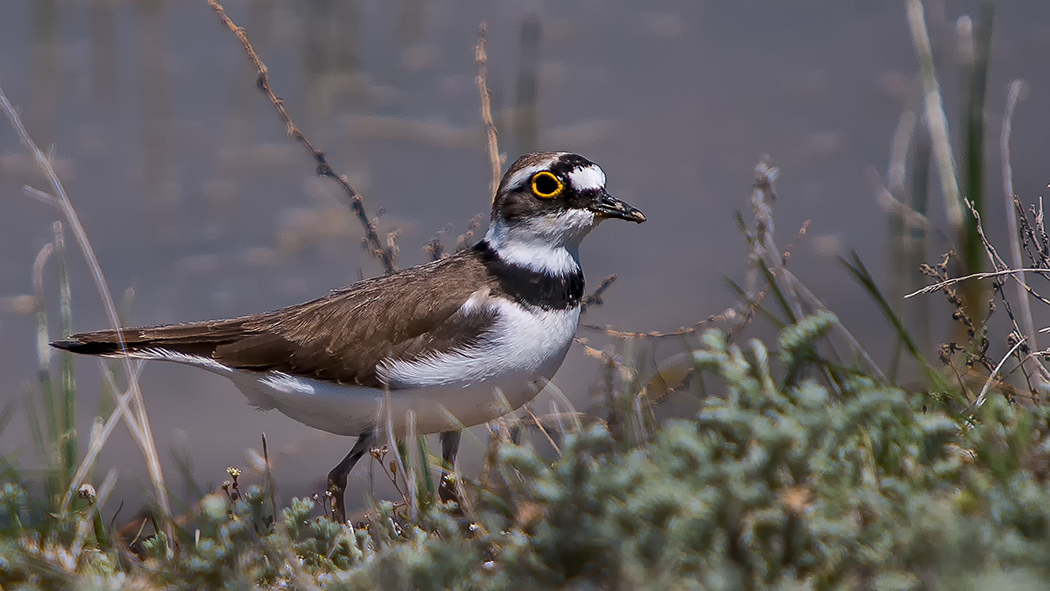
x: 384, y: 253
x: 730, y: 314
x: 681, y: 332
x: 595, y: 299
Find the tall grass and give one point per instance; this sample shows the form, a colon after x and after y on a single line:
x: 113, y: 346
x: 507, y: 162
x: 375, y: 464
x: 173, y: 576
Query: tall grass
x: 965, y: 183
x: 130, y: 404
x: 52, y: 420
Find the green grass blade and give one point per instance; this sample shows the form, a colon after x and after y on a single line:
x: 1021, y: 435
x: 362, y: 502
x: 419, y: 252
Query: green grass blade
x: 68, y: 393
x: 50, y: 427
x: 778, y: 294
x: 860, y: 273
x: 973, y: 149
x: 36, y: 432
x: 428, y: 479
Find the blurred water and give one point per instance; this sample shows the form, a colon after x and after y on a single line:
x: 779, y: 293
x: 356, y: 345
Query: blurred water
x: 195, y: 200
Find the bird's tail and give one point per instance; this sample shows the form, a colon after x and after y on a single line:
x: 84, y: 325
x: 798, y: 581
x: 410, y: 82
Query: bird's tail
x: 197, y: 338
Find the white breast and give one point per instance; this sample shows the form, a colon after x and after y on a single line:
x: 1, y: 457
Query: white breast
x: 523, y: 342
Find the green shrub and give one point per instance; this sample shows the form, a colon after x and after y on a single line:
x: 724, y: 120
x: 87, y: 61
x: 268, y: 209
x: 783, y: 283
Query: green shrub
x: 766, y: 487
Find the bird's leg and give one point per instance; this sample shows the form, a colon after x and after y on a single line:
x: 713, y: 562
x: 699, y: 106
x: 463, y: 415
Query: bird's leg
x: 337, y: 477
x: 447, y: 489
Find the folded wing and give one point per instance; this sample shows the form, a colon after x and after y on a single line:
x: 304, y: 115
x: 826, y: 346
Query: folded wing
x: 340, y: 337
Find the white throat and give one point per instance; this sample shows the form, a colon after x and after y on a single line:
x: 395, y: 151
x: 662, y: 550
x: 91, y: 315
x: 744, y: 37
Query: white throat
x: 548, y: 244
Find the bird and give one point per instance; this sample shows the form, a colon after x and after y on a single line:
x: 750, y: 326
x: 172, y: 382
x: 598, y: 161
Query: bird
x: 445, y: 345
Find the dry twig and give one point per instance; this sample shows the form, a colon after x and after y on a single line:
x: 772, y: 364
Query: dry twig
x: 384, y: 253
x: 595, y: 299
x: 486, y: 107
x: 985, y: 275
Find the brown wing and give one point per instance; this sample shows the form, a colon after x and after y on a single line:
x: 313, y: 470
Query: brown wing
x: 339, y: 337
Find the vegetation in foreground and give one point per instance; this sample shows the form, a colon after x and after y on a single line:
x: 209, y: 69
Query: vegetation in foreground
x: 772, y: 484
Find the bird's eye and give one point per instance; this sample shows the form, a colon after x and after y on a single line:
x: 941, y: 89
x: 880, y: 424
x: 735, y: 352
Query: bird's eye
x: 546, y: 186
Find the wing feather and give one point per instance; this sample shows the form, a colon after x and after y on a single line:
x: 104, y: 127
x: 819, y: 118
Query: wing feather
x: 340, y: 337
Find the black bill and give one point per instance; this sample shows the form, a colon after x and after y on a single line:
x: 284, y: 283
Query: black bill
x: 605, y: 205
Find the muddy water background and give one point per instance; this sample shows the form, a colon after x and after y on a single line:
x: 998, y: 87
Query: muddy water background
x: 195, y: 200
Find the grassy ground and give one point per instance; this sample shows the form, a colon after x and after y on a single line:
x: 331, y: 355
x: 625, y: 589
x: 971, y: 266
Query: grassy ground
x: 780, y: 480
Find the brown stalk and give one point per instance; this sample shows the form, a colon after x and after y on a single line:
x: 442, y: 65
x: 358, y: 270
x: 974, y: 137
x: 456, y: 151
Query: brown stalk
x: 384, y: 253
x: 486, y: 106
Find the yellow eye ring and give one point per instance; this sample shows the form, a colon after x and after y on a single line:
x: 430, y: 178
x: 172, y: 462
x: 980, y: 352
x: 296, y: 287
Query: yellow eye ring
x: 546, y: 186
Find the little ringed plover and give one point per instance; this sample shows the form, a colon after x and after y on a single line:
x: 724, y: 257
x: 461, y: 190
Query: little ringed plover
x: 458, y: 341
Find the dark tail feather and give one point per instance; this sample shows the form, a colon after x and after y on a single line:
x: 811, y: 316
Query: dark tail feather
x: 102, y: 342
x: 192, y: 339
x: 225, y: 342
x: 83, y: 347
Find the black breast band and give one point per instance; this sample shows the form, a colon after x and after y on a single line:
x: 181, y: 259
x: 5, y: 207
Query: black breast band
x: 529, y: 287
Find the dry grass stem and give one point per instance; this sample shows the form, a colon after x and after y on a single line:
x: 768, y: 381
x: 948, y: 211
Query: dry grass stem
x: 559, y: 397
x: 384, y: 253
x: 890, y: 204
x: 100, y: 431
x: 726, y: 316
x: 271, y: 483
x: 42, y: 196
x: 897, y: 170
x: 539, y: 425
x: 1031, y: 366
x: 626, y: 334
x: 486, y: 107
x: 396, y: 464
x: 764, y: 252
x: 43, y: 350
x: 595, y: 299
x: 984, y: 275
x: 134, y: 410
x: 936, y: 119
x: 1012, y: 230
x: 411, y: 464
x: 991, y: 377
x: 794, y: 243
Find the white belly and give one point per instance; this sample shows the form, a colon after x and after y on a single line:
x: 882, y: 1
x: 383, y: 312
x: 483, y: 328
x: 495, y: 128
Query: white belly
x: 441, y: 392
x: 355, y: 410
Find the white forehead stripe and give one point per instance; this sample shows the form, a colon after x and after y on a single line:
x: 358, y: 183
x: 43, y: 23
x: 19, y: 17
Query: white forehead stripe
x: 587, y: 178
x: 518, y: 179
